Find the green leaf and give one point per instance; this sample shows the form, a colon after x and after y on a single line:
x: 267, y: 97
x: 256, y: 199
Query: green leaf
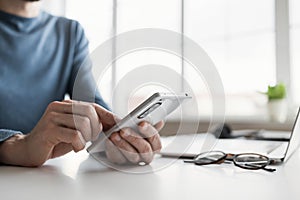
x: 276, y: 92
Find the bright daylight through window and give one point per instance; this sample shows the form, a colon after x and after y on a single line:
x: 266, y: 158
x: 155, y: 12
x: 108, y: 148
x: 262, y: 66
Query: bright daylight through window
x: 295, y: 47
x: 239, y: 36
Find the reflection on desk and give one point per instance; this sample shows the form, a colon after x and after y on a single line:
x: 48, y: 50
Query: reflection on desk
x: 78, y: 177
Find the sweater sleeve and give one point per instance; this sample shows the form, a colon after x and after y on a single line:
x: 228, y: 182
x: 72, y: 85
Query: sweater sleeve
x: 82, y: 85
x: 5, y: 134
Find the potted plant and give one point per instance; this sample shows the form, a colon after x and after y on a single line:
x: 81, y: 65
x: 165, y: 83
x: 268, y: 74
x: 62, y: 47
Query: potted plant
x: 277, y: 104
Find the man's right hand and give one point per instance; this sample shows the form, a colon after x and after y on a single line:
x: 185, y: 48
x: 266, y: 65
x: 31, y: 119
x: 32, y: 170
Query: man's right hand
x: 65, y: 126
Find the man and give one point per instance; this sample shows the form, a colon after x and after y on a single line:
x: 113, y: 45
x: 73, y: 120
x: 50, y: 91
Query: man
x: 40, y: 56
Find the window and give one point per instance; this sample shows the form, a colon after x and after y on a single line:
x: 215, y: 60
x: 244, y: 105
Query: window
x: 95, y: 16
x: 295, y: 47
x: 137, y: 14
x: 239, y: 36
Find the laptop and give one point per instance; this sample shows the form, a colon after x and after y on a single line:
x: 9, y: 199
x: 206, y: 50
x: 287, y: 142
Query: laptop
x: 292, y: 145
x: 189, y: 145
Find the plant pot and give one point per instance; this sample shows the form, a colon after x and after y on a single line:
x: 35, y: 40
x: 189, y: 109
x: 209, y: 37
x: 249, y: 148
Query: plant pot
x: 278, y: 109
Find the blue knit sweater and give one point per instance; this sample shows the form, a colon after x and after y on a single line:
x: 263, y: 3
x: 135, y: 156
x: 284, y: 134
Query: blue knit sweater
x: 39, y: 62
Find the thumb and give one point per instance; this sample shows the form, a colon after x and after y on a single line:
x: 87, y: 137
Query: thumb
x: 106, y: 117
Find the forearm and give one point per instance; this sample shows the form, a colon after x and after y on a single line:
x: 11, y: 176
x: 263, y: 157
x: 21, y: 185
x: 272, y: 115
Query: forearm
x: 13, y: 151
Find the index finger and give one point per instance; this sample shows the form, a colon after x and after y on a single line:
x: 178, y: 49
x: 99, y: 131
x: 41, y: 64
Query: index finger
x: 79, y: 108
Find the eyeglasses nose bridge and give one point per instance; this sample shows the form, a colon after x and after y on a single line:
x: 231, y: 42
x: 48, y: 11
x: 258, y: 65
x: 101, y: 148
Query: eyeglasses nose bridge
x: 230, y: 156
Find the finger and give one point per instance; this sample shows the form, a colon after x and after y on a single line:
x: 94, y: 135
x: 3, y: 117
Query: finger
x: 87, y: 109
x: 107, y: 118
x: 61, y: 149
x: 159, y: 125
x: 75, y: 122
x: 125, y: 148
x: 139, y: 143
x: 113, y: 154
x: 71, y: 136
x: 61, y: 106
x: 151, y: 134
x: 79, y: 108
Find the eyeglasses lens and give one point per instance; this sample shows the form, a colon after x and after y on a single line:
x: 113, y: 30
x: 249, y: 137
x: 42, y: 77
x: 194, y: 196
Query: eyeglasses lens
x: 209, y: 157
x: 251, y: 161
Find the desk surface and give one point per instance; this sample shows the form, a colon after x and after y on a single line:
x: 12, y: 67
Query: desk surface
x: 79, y: 176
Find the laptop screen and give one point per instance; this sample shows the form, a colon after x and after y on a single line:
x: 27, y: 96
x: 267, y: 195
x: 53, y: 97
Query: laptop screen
x: 294, y: 139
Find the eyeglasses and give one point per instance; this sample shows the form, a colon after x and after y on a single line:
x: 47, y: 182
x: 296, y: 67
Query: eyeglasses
x: 251, y: 161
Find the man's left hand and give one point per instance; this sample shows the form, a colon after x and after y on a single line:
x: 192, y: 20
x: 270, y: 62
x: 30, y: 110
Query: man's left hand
x: 128, y: 146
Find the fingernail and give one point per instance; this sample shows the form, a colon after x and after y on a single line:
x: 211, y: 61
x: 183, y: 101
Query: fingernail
x: 117, y: 138
x: 125, y: 133
x: 144, y: 126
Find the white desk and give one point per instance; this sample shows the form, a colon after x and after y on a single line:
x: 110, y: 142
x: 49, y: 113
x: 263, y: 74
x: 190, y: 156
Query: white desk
x: 79, y: 176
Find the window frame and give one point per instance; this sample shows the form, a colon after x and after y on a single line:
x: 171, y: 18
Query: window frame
x: 283, y: 67
x: 282, y: 44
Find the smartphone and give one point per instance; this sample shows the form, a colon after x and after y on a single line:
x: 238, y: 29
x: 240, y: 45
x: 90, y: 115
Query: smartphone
x: 152, y: 110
